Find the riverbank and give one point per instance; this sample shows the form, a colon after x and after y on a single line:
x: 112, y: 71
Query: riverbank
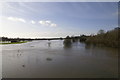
x: 14, y: 43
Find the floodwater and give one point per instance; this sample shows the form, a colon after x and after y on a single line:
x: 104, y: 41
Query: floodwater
x: 51, y: 59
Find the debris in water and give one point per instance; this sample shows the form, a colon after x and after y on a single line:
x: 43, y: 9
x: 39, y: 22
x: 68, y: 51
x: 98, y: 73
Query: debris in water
x: 23, y: 65
x: 31, y: 46
x: 49, y: 59
x: 18, y: 50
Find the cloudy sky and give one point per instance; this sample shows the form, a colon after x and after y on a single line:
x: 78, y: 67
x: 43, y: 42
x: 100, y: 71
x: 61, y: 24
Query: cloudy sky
x: 57, y: 19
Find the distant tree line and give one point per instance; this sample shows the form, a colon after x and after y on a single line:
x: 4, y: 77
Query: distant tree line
x: 110, y: 38
x: 14, y: 39
x: 26, y: 39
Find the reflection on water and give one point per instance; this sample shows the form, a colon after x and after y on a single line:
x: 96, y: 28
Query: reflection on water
x: 23, y: 65
x: 58, y: 59
x: 67, y: 46
x: 49, y: 43
x: 88, y: 46
x: 67, y: 43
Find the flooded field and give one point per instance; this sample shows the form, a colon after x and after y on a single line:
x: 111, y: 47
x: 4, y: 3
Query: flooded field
x: 51, y: 59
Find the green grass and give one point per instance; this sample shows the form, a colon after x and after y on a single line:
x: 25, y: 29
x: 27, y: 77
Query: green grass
x: 14, y: 43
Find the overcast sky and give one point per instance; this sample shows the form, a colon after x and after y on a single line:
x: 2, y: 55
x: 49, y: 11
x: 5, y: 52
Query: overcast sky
x: 57, y: 19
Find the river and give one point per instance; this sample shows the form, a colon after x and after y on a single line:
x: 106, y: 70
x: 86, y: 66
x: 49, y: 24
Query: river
x: 51, y: 59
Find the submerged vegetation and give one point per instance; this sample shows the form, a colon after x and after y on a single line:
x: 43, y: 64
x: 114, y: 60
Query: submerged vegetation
x: 110, y: 38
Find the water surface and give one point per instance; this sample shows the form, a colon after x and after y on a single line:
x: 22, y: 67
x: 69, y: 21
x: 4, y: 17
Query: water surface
x: 51, y: 59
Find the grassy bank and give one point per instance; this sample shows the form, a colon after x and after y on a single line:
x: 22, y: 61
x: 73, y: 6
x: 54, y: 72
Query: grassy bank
x: 14, y: 43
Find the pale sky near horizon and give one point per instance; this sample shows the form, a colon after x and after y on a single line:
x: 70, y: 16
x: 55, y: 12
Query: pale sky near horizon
x: 57, y: 19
